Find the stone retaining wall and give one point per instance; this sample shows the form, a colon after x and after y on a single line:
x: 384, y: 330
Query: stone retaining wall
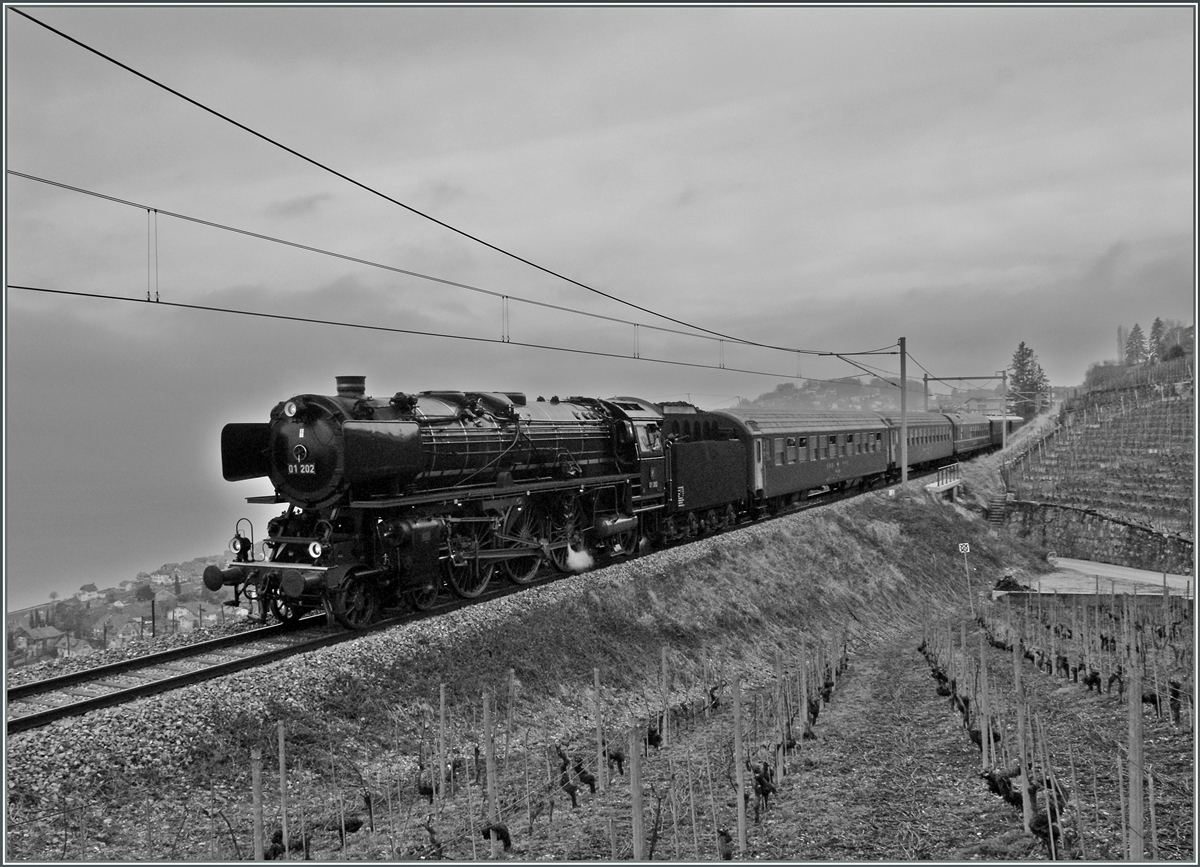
x: 1087, y: 535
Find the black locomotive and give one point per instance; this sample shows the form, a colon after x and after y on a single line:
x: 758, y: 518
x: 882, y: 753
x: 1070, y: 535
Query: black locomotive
x: 389, y: 499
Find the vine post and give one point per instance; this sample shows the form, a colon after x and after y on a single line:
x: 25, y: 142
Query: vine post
x: 635, y: 788
x: 283, y: 804
x: 739, y: 780
x: 256, y: 787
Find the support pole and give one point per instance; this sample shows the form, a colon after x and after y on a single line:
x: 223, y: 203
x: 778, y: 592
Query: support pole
x: 1004, y: 409
x: 903, y: 415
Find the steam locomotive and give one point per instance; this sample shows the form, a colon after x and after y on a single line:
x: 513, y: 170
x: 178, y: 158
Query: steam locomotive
x: 390, y: 499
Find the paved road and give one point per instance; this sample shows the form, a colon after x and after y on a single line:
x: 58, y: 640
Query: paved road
x: 1126, y: 579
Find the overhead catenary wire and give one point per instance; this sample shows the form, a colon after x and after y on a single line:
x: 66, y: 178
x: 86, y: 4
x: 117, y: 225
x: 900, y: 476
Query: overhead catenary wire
x: 505, y: 298
x: 393, y: 330
x: 411, y: 331
x: 388, y: 198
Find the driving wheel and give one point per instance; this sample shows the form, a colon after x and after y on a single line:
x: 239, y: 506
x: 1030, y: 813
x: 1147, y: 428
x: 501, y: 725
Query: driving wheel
x: 524, y: 527
x: 466, y: 574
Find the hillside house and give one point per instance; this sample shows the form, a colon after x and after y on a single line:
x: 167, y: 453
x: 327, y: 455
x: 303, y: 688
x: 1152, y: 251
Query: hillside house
x: 114, y: 629
x: 87, y: 593
x: 991, y: 405
x: 69, y: 646
x: 181, y: 619
x: 36, y: 640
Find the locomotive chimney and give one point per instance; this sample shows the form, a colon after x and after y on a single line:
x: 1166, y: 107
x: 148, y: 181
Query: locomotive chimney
x: 352, y: 387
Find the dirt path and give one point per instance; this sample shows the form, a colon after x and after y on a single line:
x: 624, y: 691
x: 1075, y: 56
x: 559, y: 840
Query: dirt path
x: 892, y: 774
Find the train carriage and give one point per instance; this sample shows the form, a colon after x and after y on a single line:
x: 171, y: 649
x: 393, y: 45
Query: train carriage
x: 789, y: 454
x: 972, y: 432
x: 930, y: 439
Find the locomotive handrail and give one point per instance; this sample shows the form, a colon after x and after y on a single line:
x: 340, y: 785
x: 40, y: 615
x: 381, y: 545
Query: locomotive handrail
x: 280, y: 564
x: 492, y: 491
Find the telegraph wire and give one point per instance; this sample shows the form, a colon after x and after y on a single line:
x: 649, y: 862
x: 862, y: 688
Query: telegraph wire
x: 388, y: 198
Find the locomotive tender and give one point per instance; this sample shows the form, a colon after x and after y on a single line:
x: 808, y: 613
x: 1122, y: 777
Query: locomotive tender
x: 389, y: 499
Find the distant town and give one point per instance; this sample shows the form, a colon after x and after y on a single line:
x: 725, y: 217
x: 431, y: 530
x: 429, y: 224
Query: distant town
x: 873, y: 394
x: 173, y: 599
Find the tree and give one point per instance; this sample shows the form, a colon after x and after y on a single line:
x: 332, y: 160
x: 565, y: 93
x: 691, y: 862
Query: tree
x: 1175, y: 335
x: 1157, y: 332
x: 144, y: 592
x: 1176, y: 351
x: 1135, y: 346
x: 1028, y: 384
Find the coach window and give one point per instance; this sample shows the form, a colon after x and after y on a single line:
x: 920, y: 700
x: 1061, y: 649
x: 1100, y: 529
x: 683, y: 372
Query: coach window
x: 851, y: 445
x: 758, y: 451
x: 802, y: 448
x: 791, y: 450
x: 779, y: 451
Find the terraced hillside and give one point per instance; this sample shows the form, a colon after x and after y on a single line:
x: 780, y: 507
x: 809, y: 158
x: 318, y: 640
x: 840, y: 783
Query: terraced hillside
x: 1130, y: 458
x: 1127, y: 453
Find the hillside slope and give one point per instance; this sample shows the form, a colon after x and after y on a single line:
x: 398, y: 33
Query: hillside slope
x: 360, y: 716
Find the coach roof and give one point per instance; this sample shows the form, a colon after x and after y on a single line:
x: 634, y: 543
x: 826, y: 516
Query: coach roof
x: 789, y: 421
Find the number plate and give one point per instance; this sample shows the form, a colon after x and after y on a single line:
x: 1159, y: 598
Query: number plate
x: 302, y: 469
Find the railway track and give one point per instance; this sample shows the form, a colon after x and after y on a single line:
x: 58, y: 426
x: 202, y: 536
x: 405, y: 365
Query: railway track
x: 39, y: 703
x: 42, y: 702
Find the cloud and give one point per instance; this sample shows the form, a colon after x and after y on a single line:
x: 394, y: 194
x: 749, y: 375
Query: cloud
x: 301, y: 206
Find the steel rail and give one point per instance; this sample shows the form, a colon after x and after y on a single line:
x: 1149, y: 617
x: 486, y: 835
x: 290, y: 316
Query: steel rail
x: 264, y: 633
x: 40, y: 718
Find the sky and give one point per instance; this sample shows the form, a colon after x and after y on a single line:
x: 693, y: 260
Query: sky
x: 820, y: 179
